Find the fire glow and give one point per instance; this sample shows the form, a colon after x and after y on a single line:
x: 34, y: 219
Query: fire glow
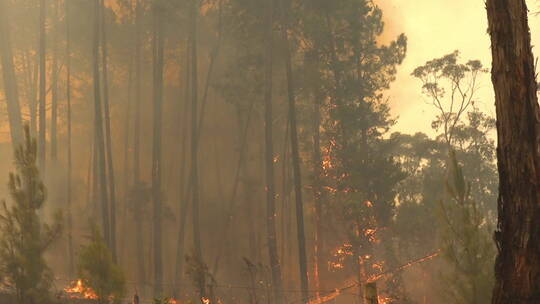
x: 79, y: 291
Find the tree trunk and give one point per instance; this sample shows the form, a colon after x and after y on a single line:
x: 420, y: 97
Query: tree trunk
x: 318, y: 192
x: 156, y: 152
x: 183, y: 196
x: 269, y: 158
x: 99, y: 138
x: 302, y: 259
x: 54, y: 90
x: 42, y: 149
x: 141, y: 269
x: 69, y: 154
x: 10, y: 78
x: 194, y: 140
x: 517, y: 266
x: 108, y: 144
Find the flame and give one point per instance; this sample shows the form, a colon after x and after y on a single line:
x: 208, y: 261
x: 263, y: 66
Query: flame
x: 205, y: 300
x: 173, y: 301
x: 79, y: 291
x: 384, y: 300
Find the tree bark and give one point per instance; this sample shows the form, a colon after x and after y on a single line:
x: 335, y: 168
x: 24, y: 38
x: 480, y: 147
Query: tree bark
x: 269, y: 157
x: 517, y: 268
x: 10, y: 78
x: 156, y: 152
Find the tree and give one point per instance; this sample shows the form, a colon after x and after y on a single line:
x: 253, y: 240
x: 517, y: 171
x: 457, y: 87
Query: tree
x: 352, y: 71
x: 69, y: 137
x: 42, y: 154
x: 99, y: 272
x: 54, y: 84
x: 302, y: 259
x: 10, y: 78
x: 25, y: 238
x: 99, y: 138
x: 514, y: 79
x: 452, y: 88
x: 466, y: 242
x: 108, y: 140
x: 138, y: 215
x: 269, y: 156
x: 156, y: 151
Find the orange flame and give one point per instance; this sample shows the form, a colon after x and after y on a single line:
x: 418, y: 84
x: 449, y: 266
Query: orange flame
x: 79, y: 291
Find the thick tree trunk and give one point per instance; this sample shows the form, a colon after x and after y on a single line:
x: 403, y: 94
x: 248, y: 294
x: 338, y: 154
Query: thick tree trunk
x: 156, y: 152
x: 9, y: 76
x: 42, y: 149
x: 517, y: 267
x: 302, y: 259
x: 99, y: 134
x: 108, y: 145
x: 269, y: 158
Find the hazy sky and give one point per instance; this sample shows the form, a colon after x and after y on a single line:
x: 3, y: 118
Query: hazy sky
x: 436, y: 28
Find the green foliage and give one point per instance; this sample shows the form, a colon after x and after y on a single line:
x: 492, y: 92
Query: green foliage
x: 466, y: 243
x: 99, y: 272
x: 25, y: 238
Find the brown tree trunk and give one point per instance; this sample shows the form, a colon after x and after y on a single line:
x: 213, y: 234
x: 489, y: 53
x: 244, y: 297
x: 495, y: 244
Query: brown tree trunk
x: 99, y: 134
x: 156, y: 153
x: 195, y: 141
x: 269, y: 158
x: 69, y: 154
x: 517, y: 268
x: 302, y: 259
x: 8, y: 73
x: 42, y: 154
x: 141, y: 269
x: 54, y: 90
x: 108, y: 143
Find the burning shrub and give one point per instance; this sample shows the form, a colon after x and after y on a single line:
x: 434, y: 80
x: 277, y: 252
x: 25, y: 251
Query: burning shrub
x: 99, y: 272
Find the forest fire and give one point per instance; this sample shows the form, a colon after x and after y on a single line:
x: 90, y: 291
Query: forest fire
x: 80, y: 291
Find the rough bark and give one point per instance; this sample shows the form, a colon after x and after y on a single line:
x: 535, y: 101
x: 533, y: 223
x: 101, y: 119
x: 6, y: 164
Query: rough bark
x: 517, y: 266
x: 10, y: 78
